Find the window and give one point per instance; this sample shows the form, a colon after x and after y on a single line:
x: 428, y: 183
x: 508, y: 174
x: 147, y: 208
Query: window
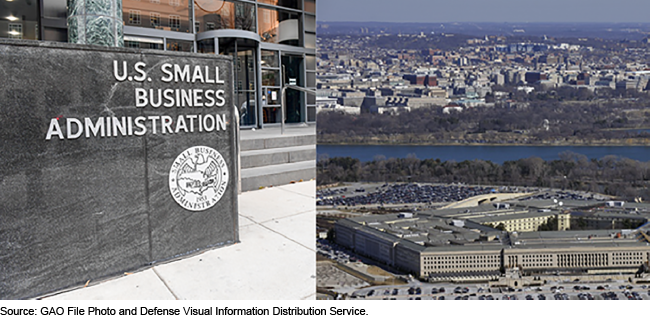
x: 174, y: 22
x: 55, y: 9
x: 155, y: 19
x: 155, y: 13
x: 231, y: 15
x: 279, y: 26
x: 294, y: 4
x: 180, y: 45
x: 134, y: 17
x: 310, y: 6
x: 15, y: 31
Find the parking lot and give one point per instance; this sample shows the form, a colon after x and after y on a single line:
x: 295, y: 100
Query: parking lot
x: 396, y: 194
x: 424, y: 291
x: 359, y: 194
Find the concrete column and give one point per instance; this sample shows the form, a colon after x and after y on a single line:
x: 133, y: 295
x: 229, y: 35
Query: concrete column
x: 97, y: 22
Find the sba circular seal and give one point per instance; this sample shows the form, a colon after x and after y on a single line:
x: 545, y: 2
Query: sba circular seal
x: 198, y: 178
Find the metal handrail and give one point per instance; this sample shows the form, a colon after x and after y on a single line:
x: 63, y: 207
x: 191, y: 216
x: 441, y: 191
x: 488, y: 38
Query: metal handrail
x: 284, y: 99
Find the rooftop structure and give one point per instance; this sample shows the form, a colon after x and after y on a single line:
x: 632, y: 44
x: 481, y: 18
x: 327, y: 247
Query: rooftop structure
x: 429, y: 244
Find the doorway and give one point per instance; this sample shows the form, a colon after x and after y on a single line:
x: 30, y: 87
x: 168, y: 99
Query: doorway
x: 244, y: 53
x: 292, y: 67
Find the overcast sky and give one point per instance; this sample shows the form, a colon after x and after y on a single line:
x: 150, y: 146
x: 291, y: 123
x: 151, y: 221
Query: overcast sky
x: 484, y: 10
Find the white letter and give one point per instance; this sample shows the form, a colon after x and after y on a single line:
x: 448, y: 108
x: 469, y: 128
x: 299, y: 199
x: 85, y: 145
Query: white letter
x: 54, y: 129
x: 129, y: 122
x: 180, y: 124
x: 139, y: 123
x: 153, y: 123
x: 191, y: 118
x: 197, y: 97
x: 115, y: 71
x: 209, y: 95
x: 140, y: 97
x: 207, y: 76
x: 169, y: 97
x: 80, y: 130
x: 94, y: 128
x: 108, y: 127
x: 166, y: 68
x: 121, y: 126
x: 208, y: 128
x: 197, y: 74
x: 221, y: 122
x: 151, y: 101
x: 183, y: 75
x: 166, y: 123
x: 222, y: 100
x: 186, y: 98
x: 216, y: 74
x: 139, y: 67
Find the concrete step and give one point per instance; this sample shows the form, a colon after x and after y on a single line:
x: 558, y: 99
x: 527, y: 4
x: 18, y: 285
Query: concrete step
x: 274, y: 156
x: 274, y: 175
x: 260, y: 143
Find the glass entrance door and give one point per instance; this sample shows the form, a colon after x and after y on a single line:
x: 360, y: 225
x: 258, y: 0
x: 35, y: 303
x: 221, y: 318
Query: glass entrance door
x: 293, y: 74
x: 244, y: 55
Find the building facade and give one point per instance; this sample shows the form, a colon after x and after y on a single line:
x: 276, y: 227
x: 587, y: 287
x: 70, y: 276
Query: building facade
x: 428, y: 246
x: 272, y: 42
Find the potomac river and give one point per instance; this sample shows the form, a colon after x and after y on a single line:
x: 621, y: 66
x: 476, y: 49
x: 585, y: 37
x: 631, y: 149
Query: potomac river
x: 496, y: 154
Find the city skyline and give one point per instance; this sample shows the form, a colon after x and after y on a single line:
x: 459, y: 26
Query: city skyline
x: 507, y: 11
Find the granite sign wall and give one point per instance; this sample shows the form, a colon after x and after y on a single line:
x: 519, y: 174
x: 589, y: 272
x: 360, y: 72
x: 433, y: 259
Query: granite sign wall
x: 110, y: 160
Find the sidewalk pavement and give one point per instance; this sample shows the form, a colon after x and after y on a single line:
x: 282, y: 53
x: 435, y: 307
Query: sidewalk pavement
x: 276, y: 258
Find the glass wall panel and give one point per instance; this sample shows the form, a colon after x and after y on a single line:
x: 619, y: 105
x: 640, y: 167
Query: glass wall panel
x: 278, y: 26
x: 310, y: 40
x: 270, y: 59
x: 271, y: 86
x: 310, y: 6
x: 311, y: 79
x: 143, y: 43
x: 311, y: 114
x: 55, y: 34
x: 270, y: 78
x: 244, y: 53
x: 293, y: 4
x: 205, y: 46
x: 180, y: 45
x: 310, y: 23
x: 295, y: 100
x: 55, y: 8
x: 171, y: 15
x: 19, y: 20
x: 219, y: 15
x: 271, y: 114
x: 310, y: 62
x: 272, y: 96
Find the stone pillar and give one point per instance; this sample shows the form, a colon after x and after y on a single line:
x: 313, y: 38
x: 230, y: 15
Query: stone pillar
x: 97, y: 22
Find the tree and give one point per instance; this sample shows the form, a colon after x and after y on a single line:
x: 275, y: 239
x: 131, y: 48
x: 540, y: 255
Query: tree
x: 549, y: 225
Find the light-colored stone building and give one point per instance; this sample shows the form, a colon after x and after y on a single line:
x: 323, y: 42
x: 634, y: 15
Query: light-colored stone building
x: 427, y: 245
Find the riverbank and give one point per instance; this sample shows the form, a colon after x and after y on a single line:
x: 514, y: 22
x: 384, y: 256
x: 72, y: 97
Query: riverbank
x: 488, y: 152
x: 487, y: 139
x: 549, y: 144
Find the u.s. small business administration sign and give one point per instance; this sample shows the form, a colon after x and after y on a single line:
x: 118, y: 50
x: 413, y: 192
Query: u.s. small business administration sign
x: 198, y: 178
